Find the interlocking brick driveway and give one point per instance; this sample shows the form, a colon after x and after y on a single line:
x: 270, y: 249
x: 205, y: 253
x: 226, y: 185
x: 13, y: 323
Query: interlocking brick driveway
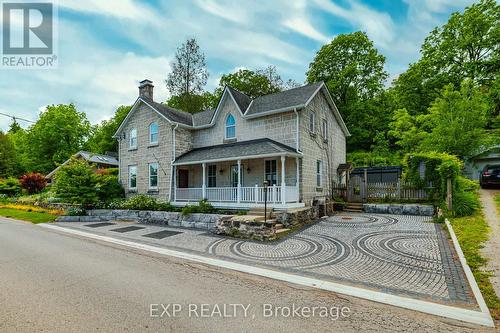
x: 402, y: 255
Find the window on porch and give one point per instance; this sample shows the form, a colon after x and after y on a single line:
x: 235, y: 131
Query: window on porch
x: 212, y: 175
x: 271, y: 172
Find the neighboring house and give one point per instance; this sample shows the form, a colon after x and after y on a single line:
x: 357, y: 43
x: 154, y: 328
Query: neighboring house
x: 101, y: 162
x: 474, y: 165
x: 295, y: 140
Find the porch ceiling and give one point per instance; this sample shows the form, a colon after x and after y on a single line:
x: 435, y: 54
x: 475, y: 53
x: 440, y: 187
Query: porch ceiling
x: 238, y: 150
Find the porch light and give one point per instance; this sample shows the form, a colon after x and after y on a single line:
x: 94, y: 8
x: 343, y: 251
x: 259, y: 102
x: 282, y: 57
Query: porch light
x: 221, y: 171
x: 248, y: 170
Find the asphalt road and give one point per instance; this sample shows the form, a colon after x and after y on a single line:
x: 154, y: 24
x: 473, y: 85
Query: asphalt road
x: 52, y: 282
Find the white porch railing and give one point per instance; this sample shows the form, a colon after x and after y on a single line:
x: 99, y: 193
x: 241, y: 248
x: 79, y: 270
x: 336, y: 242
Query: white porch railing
x: 252, y: 194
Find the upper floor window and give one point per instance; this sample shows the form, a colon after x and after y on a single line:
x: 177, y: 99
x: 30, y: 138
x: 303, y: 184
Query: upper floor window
x: 230, y: 127
x: 312, y: 122
x: 325, y: 129
x: 133, y: 138
x: 153, y: 133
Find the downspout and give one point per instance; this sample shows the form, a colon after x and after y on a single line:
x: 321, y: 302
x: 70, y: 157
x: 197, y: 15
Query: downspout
x: 297, y: 131
x: 172, y: 162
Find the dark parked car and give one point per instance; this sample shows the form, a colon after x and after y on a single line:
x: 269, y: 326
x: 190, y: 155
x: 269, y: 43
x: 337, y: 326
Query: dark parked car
x: 490, y: 176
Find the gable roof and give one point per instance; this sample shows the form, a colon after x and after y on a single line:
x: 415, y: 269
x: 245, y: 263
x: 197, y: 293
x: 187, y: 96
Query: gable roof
x: 242, y: 100
x: 89, y: 157
x: 284, y: 101
x: 243, y: 149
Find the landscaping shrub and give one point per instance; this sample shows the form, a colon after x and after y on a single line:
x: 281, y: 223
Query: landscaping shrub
x: 33, y: 182
x: 75, y: 182
x: 10, y: 186
x: 108, y: 171
x: 465, y: 203
x: 202, y: 207
x: 438, y: 168
x: 141, y: 202
x: 75, y: 211
x: 108, y: 187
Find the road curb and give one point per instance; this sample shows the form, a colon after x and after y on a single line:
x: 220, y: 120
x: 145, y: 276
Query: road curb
x: 446, y: 311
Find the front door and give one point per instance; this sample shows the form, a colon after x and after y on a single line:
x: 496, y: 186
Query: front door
x: 234, y: 175
x: 183, y: 180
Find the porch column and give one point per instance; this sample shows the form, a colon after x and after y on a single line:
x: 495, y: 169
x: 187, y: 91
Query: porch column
x: 283, y: 184
x: 174, y: 180
x: 239, y: 181
x: 297, y: 179
x: 203, y: 186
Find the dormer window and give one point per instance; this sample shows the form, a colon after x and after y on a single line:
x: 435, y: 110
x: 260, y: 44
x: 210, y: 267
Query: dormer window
x: 230, y: 127
x: 132, y: 143
x: 153, y: 133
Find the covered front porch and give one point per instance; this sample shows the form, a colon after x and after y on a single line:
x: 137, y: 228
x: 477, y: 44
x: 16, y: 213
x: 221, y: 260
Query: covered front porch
x: 237, y: 181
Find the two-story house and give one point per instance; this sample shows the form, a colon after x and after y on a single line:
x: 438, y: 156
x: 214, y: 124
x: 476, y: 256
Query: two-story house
x: 294, y: 140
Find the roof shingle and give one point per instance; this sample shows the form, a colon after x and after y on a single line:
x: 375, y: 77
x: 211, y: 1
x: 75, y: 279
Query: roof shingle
x: 234, y: 150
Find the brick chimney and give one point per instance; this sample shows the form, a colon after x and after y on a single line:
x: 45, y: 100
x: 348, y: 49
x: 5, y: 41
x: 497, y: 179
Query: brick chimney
x: 146, y: 89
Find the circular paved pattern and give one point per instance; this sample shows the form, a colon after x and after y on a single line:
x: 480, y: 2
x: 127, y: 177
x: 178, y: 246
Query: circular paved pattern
x: 407, y: 249
x: 297, y: 252
x: 399, y: 253
x: 361, y: 221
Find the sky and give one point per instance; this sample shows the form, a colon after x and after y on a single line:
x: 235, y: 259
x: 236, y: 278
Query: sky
x: 105, y: 47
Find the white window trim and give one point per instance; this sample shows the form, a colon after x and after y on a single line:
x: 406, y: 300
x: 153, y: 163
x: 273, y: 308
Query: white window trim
x: 324, y: 128
x: 130, y: 146
x: 277, y: 172
x: 157, y: 133
x: 214, y: 176
x: 226, y: 127
x: 130, y: 178
x: 157, y: 175
x: 313, y: 129
x: 320, y: 173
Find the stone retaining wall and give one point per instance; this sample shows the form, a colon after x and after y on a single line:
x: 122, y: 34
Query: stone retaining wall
x: 251, y: 227
x: 174, y: 219
x: 399, y: 209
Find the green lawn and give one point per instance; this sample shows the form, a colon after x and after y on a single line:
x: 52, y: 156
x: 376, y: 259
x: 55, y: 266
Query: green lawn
x: 472, y: 232
x: 34, y: 217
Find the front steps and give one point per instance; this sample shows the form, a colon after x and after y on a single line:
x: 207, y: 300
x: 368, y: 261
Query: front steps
x: 356, y: 207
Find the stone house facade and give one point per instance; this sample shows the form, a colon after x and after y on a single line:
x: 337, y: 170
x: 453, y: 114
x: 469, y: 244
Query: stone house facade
x: 293, y: 140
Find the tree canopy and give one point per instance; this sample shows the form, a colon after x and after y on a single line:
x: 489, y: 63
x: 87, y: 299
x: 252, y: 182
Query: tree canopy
x: 101, y: 138
x: 188, y: 76
x: 60, y: 132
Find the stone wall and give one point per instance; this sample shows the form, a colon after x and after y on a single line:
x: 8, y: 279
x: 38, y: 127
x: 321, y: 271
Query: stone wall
x: 146, y: 153
x: 174, y: 219
x: 399, y: 209
x: 314, y: 148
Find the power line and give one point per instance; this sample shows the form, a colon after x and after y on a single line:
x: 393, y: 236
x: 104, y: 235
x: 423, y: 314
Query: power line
x: 17, y: 118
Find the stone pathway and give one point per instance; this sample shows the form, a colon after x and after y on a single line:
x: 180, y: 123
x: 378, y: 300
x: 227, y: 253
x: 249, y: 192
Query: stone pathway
x: 397, y: 254
x: 491, y: 249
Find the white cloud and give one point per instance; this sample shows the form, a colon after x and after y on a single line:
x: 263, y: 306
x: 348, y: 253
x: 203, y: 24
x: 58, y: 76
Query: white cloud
x: 378, y: 25
x: 304, y: 27
x: 124, y: 9
x: 230, y: 11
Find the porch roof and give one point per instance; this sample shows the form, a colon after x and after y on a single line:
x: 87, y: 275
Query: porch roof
x: 259, y: 148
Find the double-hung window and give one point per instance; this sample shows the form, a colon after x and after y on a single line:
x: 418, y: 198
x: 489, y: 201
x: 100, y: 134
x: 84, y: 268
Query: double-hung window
x: 153, y: 175
x: 312, y: 122
x: 271, y: 172
x: 132, y: 177
x: 212, y: 175
x: 319, y: 173
x: 132, y: 143
x: 153, y: 133
x: 325, y: 130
